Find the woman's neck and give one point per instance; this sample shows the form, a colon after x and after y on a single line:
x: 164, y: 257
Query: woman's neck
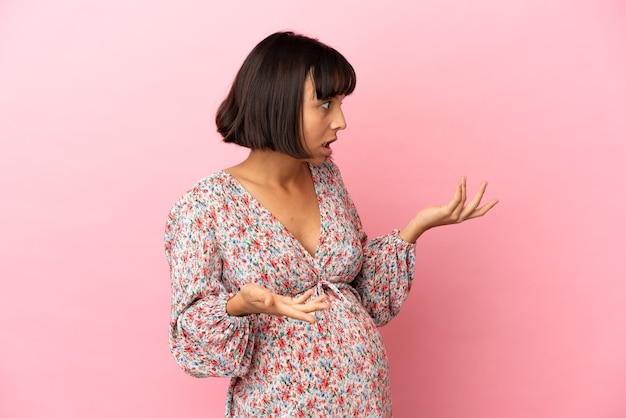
x: 272, y: 168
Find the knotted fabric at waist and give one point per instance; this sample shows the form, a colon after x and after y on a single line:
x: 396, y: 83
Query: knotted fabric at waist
x: 326, y: 286
x: 332, y: 287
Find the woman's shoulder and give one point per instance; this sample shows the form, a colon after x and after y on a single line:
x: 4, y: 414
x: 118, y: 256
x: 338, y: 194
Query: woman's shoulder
x: 204, y: 192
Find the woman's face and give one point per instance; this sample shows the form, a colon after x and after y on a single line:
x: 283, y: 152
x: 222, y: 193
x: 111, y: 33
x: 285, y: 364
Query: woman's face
x: 321, y: 119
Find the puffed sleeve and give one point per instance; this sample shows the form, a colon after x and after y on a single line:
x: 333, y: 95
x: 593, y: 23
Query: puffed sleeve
x: 385, y: 279
x: 204, y: 339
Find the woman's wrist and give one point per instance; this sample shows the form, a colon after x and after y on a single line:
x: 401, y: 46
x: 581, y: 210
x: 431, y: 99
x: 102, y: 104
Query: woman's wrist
x: 412, y: 231
x: 236, y: 306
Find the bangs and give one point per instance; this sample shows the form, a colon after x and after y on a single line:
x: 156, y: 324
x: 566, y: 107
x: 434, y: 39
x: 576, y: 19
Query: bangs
x: 333, y: 75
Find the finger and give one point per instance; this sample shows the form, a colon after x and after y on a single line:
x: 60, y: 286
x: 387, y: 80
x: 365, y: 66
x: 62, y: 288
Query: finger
x: 285, y: 306
x: 484, y: 209
x: 303, y: 297
x: 458, y: 210
x: 471, y: 206
x: 320, y: 302
x: 312, y: 307
x: 456, y: 199
x: 294, y: 313
x: 319, y: 299
x: 286, y: 303
x: 464, y: 189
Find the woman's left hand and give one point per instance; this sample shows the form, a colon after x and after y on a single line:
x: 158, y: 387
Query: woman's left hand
x: 454, y: 212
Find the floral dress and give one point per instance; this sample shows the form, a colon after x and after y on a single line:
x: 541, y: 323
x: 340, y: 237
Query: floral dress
x: 219, y: 237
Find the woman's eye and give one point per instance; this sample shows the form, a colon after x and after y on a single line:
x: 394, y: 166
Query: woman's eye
x: 326, y: 104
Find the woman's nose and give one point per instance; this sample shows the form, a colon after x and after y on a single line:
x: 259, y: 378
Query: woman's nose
x: 339, y: 120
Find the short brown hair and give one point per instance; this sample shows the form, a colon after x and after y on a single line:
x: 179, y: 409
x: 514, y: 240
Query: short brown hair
x: 263, y: 109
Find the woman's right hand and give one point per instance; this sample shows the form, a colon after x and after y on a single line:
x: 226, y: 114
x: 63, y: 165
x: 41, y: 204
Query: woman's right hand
x: 253, y: 298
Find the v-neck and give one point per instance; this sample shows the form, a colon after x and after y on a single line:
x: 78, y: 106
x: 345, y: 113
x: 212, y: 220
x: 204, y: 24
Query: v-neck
x: 314, y: 178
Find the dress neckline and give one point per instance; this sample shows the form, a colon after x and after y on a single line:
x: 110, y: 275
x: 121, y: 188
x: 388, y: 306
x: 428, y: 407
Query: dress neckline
x: 315, y: 179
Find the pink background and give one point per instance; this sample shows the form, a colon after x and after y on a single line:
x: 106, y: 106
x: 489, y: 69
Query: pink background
x: 106, y: 118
